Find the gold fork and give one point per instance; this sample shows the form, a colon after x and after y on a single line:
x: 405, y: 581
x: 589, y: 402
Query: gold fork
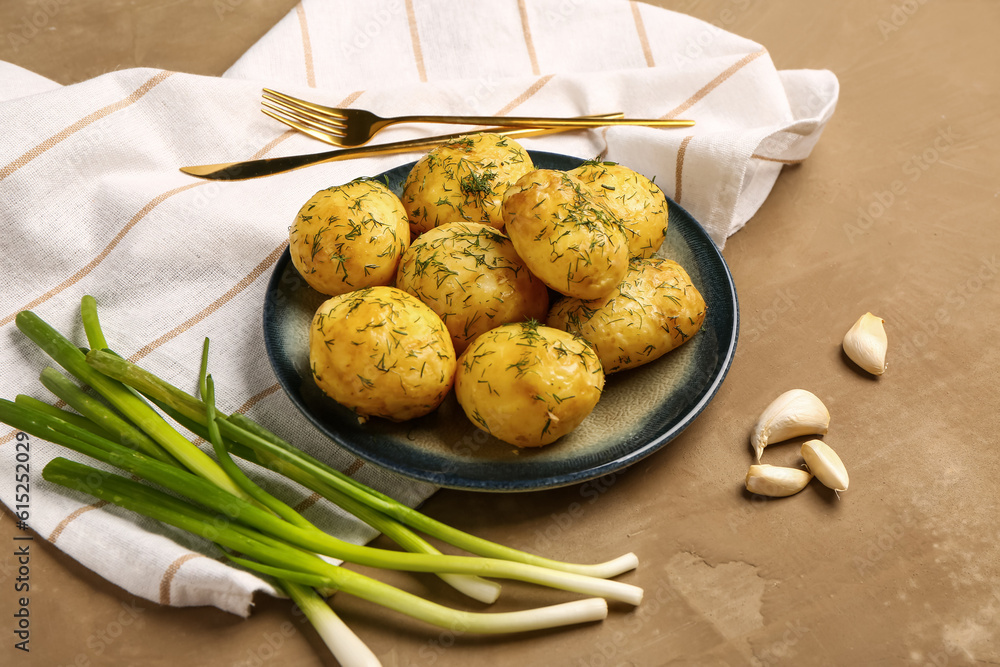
x: 334, y: 140
x: 355, y: 127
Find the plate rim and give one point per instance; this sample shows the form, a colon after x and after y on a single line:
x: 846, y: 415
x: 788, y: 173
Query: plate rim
x: 451, y: 480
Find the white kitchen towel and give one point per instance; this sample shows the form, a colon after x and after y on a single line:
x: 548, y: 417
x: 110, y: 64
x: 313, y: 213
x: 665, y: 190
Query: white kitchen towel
x: 91, y: 202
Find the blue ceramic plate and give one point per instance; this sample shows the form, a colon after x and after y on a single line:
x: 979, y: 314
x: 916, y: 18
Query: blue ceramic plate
x: 640, y: 410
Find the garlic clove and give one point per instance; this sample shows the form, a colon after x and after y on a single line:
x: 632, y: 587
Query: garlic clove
x: 866, y: 343
x: 825, y: 464
x: 796, y: 412
x: 776, y: 481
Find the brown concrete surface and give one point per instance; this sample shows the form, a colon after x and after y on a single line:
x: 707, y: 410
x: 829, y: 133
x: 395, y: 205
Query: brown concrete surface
x: 904, y: 569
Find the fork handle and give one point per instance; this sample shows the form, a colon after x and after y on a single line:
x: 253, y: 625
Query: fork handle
x: 534, y: 121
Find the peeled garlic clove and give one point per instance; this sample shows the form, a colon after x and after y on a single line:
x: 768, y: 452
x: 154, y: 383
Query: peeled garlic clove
x: 866, y: 343
x: 825, y: 464
x: 776, y: 481
x: 796, y: 412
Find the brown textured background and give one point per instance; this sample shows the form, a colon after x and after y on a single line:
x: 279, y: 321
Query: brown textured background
x: 904, y: 569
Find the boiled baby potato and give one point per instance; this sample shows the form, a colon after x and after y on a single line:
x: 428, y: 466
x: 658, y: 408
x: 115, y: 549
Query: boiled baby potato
x: 527, y: 384
x: 349, y: 236
x: 635, y: 199
x: 471, y: 276
x: 653, y: 310
x: 463, y: 180
x: 381, y: 352
x: 566, y: 237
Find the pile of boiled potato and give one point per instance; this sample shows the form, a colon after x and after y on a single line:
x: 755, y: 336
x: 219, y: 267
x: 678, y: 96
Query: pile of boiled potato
x: 449, y: 286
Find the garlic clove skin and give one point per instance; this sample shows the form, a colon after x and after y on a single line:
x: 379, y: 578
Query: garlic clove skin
x: 825, y: 464
x: 794, y: 413
x: 866, y: 343
x: 776, y: 481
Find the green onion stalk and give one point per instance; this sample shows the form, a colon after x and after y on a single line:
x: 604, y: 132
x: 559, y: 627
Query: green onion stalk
x: 59, y: 413
x: 219, y: 502
x: 243, y: 431
x: 99, y: 419
x: 478, y: 588
x: 482, y: 590
x: 299, y: 533
x: 292, y: 564
x: 333, y: 631
x: 95, y: 411
x: 169, y: 444
x: 67, y: 355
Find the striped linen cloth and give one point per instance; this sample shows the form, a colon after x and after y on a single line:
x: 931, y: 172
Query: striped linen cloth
x: 92, y: 203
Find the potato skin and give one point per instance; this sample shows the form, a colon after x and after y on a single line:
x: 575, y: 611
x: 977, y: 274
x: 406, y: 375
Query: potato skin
x: 381, y: 352
x: 635, y: 199
x: 655, y: 309
x: 349, y: 236
x: 464, y: 179
x: 571, y: 242
x: 527, y: 384
x: 472, y: 277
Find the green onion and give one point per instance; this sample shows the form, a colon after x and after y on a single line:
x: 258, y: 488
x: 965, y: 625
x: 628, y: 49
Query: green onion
x: 124, y: 398
x: 98, y: 413
x: 146, y: 383
x: 306, y: 537
x: 333, y: 631
x: 148, y: 420
x: 291, y: 564
x: 91, y: 324
x: 477, y: 588
x: 59, y: 413
x: 230, y: 468
x: 217, y: 501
